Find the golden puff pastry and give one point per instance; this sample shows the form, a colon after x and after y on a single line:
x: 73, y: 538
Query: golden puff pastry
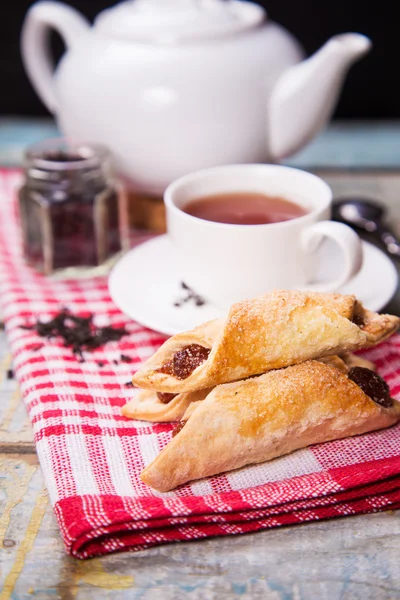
x: 274, y: 331
x: 353, y: 360
x: 345, y: 362
x: 264, y: 417
x: 149, y: 405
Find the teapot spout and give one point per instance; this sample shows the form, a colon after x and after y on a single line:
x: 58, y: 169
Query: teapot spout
x: 305, y: 95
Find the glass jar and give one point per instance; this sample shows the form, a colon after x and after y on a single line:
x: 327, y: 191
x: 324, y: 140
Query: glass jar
x: 73, y: 214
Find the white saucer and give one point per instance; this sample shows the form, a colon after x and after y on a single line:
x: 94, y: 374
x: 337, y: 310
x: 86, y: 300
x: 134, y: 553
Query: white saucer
x: 145, y: 285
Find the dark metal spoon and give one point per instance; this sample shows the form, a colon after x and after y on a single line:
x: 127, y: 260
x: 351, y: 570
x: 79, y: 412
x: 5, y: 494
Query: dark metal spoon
x: 366, y: 215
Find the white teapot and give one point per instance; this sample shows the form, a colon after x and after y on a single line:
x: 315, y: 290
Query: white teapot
x: 172, y: 86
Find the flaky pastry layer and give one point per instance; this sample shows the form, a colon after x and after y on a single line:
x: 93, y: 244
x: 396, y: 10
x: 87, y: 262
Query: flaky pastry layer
x: 146, y: 406
x: 274, y: 331
x: 265, y: 417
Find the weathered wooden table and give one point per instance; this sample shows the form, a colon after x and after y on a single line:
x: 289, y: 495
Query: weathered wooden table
x: 350, y: 558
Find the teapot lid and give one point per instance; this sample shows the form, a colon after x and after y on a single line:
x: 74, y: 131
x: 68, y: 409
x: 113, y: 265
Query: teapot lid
x: 169, y: 21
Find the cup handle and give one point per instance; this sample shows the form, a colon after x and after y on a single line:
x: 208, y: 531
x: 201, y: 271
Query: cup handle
x: 347, y: 240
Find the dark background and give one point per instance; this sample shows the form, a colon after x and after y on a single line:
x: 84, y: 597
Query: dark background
x: 372, y: 89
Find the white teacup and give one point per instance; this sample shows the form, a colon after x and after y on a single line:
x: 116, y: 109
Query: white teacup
x: 226, y: 263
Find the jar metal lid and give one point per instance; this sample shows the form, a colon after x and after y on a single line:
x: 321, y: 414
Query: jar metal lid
x: 63, y: 154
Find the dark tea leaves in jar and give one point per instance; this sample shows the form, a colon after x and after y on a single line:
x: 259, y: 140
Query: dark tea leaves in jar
x: 71, y: 211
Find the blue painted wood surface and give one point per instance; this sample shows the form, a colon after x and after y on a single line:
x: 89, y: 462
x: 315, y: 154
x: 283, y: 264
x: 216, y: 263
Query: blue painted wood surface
x: 365, y: 144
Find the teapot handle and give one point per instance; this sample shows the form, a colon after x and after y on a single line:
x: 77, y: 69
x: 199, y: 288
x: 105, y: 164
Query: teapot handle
x: 39, y: 65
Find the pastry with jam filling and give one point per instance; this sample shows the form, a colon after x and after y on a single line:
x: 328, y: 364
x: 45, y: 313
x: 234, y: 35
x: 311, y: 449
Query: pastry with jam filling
x: 159, y: 407
x: 277, y: 330
x: 271, y: 415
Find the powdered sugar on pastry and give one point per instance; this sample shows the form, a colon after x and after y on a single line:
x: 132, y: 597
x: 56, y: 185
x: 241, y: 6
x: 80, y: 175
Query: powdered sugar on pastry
x: 270, y: 332
x: 268, y: 416
x: 149, y: 405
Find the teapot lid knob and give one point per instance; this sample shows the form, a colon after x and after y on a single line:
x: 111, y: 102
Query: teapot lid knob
x: 169, y: 21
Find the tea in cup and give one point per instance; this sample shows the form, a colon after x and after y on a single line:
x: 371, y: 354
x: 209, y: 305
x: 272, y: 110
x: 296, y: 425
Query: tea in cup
x: 240, y: 231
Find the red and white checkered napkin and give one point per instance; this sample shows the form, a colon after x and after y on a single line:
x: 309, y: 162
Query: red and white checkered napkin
x: 91, y: 456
